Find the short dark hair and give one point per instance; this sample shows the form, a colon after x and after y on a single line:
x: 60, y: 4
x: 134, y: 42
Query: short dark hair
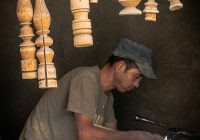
x: 113, y: 59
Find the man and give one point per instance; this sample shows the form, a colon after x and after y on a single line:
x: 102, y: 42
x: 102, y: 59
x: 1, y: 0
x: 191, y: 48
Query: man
x: 81, y: 108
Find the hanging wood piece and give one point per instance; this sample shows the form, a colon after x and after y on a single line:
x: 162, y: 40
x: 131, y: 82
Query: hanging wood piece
x: 46, y: 69
x: 175, y: 5
x: 81, y: 25
x: 150, y: 10
x: 93, y: 1
x: 130, y: 7
x: 27, y: 48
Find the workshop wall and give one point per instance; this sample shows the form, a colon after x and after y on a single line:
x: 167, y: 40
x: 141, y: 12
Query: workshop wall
x: 174, y: 99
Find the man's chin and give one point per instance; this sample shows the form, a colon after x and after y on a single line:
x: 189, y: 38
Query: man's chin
x: 126, y: 90
x: 122, y: 90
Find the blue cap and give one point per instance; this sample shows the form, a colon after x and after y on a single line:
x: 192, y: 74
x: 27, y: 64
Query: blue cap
x: 138, y: 53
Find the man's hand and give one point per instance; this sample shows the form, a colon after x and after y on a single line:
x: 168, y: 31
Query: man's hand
x: 158, y: 137
x: 86, y: 131
x: 143, y: 135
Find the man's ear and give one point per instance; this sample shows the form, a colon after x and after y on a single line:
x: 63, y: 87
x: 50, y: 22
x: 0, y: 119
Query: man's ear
x: 120, y: 66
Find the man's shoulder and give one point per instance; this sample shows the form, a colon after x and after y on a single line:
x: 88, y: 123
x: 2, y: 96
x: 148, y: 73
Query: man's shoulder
x: 90, y: 72
x: 86, y: 70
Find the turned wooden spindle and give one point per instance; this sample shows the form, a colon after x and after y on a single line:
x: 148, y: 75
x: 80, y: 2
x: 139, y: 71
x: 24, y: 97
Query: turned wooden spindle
x: 129, y: 7
x: 27, y: 47
x: 93, y: 1
x: 46, y: 69
x: 150, y: 10
x: 81, y: 25
x: 175, y: 5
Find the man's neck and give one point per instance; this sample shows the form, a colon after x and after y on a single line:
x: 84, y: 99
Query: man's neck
x: 106, y: 78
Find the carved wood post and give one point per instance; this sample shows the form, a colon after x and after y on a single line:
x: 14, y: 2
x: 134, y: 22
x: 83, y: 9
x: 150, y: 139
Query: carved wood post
x: 150, y: 10
x: 27, y: 48
x: 129, y: 7
x: 81, y: 25
x: 46, y: 69
x: 93, y: 1
x: 175, y: 5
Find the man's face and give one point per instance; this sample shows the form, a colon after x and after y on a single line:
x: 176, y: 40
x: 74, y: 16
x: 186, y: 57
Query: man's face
x: 125, y: 80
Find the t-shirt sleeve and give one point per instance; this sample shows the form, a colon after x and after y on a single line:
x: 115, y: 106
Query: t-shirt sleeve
x: 109, y: 114
x: 82, y: 96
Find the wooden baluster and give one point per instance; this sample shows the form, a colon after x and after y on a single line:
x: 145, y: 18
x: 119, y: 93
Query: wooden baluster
x: 150, y: 10
x: 46, y: 69
x: 81, y: 25
x: 130, y: 7
x: 27, y: 48
x: 175, y: 5
x: 93, y: 1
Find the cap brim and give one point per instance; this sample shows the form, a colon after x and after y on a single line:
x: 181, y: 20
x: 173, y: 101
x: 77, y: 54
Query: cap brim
x: 147, y: 70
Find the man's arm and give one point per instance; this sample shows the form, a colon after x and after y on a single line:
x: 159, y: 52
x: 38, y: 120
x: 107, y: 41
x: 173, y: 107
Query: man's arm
x: 111, y: 125
x: 86, y: 131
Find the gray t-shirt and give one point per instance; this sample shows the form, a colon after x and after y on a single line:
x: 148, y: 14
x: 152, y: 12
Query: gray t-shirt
x: 78, y: 91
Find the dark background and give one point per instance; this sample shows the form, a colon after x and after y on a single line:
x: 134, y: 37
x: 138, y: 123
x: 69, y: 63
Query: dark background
x: 174, y: 99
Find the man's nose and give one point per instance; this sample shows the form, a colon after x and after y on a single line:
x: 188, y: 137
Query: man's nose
x: 136, y: 83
